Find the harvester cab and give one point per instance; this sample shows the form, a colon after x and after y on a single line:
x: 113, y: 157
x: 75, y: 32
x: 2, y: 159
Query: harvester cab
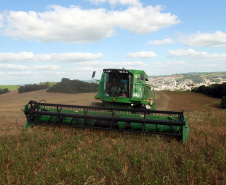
x: 126, y: 88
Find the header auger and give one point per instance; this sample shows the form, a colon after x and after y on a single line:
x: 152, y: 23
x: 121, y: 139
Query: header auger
x: 129, y: 88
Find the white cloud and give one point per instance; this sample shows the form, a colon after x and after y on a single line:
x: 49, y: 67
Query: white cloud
x: 100, y: 65
x: 1, y: 21
x: 97, y: 1
x: 69, y: 57
x: 160, y: 42
x: 53, y: 57
x: 111, y: 64
x: 217, y: 39
x: 139, y: 20
x: 77, y: 25
x: 71, y: 24
x: 12, y: 67
x: 191, y: 53
x: 142, y: 54
x: 125, y: 2
x: 16, y: 57
x: 16, y: 74
x: 115, y: 2
x: 46, y: 67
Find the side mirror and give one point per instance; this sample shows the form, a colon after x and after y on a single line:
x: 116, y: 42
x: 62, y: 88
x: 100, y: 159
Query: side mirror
x: 94, y: 73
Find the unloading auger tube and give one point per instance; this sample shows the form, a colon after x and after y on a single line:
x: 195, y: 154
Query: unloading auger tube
x: 120, y: 119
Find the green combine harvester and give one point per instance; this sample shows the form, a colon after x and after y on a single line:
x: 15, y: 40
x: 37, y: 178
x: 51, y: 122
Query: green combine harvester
x: 128, y: 104
x: 126, y: 88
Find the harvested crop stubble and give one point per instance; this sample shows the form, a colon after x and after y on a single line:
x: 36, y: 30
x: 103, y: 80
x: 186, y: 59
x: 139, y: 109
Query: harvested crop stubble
x: 56, y: 155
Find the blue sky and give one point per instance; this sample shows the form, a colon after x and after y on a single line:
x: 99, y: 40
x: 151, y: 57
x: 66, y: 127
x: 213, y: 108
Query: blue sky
x: 47, y: 40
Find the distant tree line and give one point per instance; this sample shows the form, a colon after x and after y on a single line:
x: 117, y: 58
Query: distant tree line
x: 2, y: 91
x: 223, y: 102
x: 32, y: 87
x: 73, y: 86
x: 215, y: 90
x: 65, y: 86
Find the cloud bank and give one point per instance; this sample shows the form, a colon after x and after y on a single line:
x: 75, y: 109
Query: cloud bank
x: 217, y: 39
x: 77, y: 25
x: 52, y: 57
x: 191, y: 53
x: 115, y: 2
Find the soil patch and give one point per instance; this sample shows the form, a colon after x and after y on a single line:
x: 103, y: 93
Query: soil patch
x: 162, y: 99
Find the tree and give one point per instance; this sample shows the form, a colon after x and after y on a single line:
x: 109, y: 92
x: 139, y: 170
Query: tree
x: 73, y: 86
x: 215, y: 90
x: 32, y: 87
x: 223, y: 102
x: 2, y: 91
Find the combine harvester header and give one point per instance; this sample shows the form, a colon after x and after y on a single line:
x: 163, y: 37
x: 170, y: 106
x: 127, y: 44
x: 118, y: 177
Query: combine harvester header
x: 129, y: 92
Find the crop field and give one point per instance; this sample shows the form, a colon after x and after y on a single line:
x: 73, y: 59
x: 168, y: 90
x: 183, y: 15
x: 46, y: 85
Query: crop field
x: 62, y: 155
x: 10, y: 87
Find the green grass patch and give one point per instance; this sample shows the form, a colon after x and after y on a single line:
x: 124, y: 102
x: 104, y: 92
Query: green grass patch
x: 10, y: 87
